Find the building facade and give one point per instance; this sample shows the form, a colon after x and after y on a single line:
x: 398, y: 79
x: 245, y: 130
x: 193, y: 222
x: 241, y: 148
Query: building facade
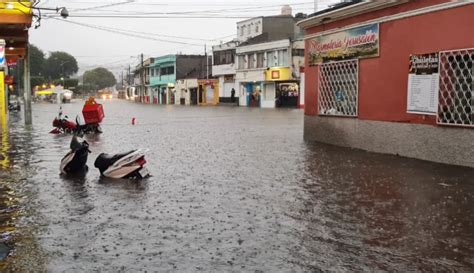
x: 376, y: 82
x: 223, y: 68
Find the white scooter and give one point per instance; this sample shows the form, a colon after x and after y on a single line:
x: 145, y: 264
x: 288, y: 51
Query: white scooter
x: 126, y: 165
x: 76, y: 160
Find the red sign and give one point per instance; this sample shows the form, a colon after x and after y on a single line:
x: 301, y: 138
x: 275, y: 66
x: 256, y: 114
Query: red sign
x: 275, y: 74
x: 9, y: 79
x: 11, y: 62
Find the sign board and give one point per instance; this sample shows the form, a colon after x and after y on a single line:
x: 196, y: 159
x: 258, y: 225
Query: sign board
x: 423, y: 84
x: 2, y: 53
x: 278, y: 74
x: 355, y: 43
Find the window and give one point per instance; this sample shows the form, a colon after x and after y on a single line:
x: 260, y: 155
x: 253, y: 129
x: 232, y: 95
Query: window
x: 224, y: 57
x: 169, y: 70
x: 456, y: 88
x: 152, y: 72
x: 251, y: 60
x: 338, y: 88
x: 242, y: 62
x: 249, y: 30
x: 272, y: 59
x: 260, y: 60
x: 298, y: 52
x: 283, y: 57
x: 242, y: 30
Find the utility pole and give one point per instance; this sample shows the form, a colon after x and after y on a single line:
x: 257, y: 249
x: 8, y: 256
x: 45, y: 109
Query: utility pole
x: 27, y: 88
x: 142, y: 80
x: 207, y: 62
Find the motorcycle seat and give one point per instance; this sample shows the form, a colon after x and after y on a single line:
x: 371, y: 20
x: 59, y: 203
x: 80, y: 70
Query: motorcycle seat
x: 103, y: 161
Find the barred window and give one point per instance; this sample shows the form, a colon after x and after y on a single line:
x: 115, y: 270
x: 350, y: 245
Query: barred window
x: 338, y: 88
x: 456, y: 90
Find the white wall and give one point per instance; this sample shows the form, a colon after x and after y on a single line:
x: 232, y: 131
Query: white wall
x: 181, y: 87
x: 268, y: 98
x: 225, y: 69
x: 251, y: 28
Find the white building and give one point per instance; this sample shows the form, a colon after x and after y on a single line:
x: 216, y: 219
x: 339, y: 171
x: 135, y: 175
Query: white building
x: 223, y: 69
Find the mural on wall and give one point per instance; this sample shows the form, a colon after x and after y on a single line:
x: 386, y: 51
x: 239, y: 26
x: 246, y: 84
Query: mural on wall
x: 356, y: 43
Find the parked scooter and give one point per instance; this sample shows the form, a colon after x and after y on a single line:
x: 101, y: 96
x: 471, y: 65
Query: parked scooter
x: 76, y: 160
x: 126, y: 165
x: 63, y: 125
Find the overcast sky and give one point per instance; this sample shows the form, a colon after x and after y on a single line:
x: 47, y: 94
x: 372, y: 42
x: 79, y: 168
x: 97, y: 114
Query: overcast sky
x: 112, y: 37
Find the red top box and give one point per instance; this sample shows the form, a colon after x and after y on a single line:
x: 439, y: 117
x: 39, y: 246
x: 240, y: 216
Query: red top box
x: 93, y: 113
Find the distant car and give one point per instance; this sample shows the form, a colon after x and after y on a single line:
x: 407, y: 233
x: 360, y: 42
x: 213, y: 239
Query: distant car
x: 105, y: 95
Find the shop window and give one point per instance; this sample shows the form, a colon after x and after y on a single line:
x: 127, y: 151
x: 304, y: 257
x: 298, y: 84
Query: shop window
x: 338, y: 88
x: 456, y: 88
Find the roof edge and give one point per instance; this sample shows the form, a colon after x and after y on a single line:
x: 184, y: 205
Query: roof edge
x: 348, y: 11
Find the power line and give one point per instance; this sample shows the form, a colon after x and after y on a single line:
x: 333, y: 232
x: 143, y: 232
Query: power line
x: 128, y: 34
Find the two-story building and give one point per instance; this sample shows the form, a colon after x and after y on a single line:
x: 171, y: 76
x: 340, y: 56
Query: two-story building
x: 223, y: 68
x: 269, y: 60
x: 167, y: 71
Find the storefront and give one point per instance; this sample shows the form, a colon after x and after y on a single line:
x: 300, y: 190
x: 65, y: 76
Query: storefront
x: 281, y: 87
x: 375, y: 82
x: 208, y: 92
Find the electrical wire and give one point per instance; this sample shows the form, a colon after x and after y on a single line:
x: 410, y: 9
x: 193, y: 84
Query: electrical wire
x: 128, y: 34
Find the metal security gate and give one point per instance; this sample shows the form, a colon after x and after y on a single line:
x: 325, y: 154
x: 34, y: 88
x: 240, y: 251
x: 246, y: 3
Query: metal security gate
x: 338, y: 88
x: 456, y: 92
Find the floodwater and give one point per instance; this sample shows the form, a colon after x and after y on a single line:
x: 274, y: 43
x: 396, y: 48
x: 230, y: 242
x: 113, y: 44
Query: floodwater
x: 233, y: 190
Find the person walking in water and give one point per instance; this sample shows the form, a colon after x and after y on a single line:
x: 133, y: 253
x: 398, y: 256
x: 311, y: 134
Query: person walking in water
x: 232, y: 95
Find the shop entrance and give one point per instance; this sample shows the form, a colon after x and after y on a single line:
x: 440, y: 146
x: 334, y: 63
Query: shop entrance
x: 163, y: 96
x: 287, y: 95
x: 194, y: 96
x: 201, y: 94
x: 253, y: 94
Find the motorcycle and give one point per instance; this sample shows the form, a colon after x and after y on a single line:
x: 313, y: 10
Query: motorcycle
x: 125, y: 165
x: 63, y: 125
x: 76, y: 160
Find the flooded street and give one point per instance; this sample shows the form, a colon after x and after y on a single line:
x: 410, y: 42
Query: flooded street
x: 233, y: 190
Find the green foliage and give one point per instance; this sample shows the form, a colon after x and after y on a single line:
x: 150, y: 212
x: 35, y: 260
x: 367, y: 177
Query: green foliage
x: 37, y: 60
x: 99, y: 77
x: 37, y: 80
x: 60, y: 64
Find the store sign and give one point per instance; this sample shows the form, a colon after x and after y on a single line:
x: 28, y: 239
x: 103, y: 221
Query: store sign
x: 278, y: 74
x: 9, y: 79
x: 2, y: 53
x: 355, y: 43
x: 423, y: 84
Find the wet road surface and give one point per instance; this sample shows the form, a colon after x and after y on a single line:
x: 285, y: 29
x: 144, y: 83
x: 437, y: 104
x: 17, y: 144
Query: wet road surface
x: 233, y: 190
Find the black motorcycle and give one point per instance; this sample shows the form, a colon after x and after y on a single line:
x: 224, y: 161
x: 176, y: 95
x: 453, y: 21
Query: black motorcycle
x: 76, y: 160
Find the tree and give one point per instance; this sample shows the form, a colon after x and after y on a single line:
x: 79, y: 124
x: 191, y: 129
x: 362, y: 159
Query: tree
x: 60, y: 64
x: 99, y: 77
x: 36, y: 61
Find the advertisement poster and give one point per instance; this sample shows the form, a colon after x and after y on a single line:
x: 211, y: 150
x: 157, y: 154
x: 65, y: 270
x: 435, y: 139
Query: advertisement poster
x: 356, y: 43
x: 423, y: 84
